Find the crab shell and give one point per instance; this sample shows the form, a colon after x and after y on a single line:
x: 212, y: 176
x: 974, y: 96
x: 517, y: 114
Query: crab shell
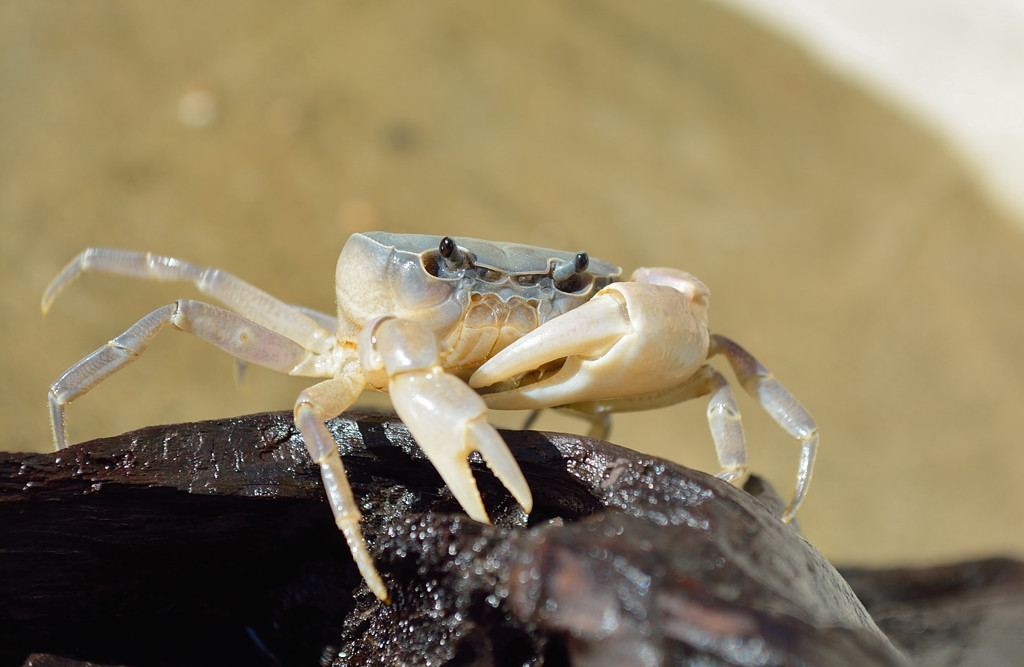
x: 404, y: 275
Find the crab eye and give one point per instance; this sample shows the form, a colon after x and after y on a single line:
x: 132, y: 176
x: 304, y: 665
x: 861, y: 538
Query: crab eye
x: 454, y: 256
x: 582, y: 261
x: 570, y: 275
x: 563, y: 270
x: 448, y: 262
x: 447, y: 247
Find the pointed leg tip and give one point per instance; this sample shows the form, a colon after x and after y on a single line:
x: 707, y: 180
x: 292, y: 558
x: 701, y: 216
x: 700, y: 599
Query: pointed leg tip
x: 790, y: 512
x: 49, y: 296
x: 45, y: 302
x: 380, y: 592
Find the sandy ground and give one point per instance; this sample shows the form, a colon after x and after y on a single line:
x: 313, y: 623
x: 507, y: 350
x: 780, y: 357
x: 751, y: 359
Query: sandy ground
x: 843, y: 245
x: 958, y: 65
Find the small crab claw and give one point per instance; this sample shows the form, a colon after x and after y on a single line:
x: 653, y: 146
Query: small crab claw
x: 445, y: 416
x: 632, y: 338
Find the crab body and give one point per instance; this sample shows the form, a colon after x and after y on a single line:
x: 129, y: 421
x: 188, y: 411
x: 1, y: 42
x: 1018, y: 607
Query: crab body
x: 475, y: 304
x: 451, y: 329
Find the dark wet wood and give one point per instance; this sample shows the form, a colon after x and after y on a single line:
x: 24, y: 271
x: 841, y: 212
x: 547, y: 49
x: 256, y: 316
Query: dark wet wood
x: 968, y: 613
x: 211, y: 543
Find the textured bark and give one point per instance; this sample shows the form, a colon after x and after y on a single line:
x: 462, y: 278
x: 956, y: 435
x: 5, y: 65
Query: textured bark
x: 211, y: 543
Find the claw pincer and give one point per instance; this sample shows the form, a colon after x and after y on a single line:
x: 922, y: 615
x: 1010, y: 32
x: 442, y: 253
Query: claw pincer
x: 448, y: 418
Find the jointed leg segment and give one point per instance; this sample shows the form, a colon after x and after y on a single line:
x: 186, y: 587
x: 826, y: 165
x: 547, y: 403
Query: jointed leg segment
x: 780, y: 404
x: 313, y: 408
x: 237, y: 335
x: 723, y: 414
x: 725, y: 423
x: 242, y: 297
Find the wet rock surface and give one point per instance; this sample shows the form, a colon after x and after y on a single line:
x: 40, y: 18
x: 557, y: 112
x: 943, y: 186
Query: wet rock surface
x: 211, y: 543
x: 969, y: 613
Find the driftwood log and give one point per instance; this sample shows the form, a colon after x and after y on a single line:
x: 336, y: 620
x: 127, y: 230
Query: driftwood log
x: 211, y: 544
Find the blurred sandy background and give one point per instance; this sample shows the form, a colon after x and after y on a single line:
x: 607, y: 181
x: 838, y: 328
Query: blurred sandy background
x: 844, y: 245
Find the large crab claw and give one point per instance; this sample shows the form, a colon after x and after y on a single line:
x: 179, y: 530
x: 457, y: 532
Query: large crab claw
x: 632, y: 339
x: 445, y: 416
x: 639, y: 345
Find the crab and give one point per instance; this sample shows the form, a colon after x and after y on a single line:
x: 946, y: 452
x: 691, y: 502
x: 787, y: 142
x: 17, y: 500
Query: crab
x: 450, y: 329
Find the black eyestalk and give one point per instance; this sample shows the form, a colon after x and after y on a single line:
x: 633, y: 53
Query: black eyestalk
x: 565, y: 270
x: 453, y: 255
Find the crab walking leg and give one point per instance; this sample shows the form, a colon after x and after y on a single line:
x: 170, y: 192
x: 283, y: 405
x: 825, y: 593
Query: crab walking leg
x: 313, y: 408
x: 722, y: 413
x: 724, y: 421
x: 229, y: 331
x: 328, y: 322
x: 447, y: 418
x: 324, y: 320
x: 780, y: 404
x: 250, y: 301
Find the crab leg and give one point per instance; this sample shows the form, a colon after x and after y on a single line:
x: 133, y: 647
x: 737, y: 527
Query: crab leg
x: 313, y: 408
x: 229, y: 331
x: 447, y: 418
x: 780, y: 404
x: 722, y: 413
x: 328, y: 322
x: 248, y: 300
x: 724, y: 417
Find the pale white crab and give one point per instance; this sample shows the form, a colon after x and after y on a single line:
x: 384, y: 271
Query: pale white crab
x: 449, y: 329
